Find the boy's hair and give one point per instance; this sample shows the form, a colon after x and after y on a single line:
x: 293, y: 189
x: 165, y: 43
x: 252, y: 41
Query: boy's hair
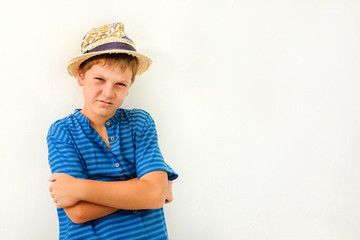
x: 121, y: 60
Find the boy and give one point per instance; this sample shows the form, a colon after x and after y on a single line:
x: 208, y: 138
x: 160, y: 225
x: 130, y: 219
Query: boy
x: 109, y: 178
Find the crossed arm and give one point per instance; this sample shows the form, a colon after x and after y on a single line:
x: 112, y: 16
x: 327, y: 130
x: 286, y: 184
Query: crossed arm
x: 84, y: 200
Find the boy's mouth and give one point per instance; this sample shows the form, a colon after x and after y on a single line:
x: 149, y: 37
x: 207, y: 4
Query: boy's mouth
x: 105, y: 103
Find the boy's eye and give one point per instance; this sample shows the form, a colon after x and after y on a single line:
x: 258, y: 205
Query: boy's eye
x: 121, y: 84
x: 100, y: 79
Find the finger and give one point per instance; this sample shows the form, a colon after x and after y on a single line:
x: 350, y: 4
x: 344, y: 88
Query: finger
x: 59, y: 205
x: 53, y: 177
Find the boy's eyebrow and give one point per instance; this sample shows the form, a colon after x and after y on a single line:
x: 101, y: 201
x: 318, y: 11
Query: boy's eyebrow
x: 124, y: 81
x: 100, y: 75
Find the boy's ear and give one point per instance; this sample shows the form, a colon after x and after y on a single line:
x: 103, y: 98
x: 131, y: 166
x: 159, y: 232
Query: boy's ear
x: 80, y: 78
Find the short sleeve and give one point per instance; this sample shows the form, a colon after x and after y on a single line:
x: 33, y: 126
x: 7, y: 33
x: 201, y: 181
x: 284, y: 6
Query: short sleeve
x: 147, y: 153
x: 63, y: 157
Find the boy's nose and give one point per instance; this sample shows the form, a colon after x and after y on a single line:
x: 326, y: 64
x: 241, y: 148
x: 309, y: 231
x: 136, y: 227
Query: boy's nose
x: 108, y: 91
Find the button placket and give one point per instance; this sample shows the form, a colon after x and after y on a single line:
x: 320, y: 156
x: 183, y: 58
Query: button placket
x: 110, y: 130
x: 112, y: 139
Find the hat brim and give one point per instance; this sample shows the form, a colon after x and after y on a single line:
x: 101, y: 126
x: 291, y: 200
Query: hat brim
x: 74, y: 64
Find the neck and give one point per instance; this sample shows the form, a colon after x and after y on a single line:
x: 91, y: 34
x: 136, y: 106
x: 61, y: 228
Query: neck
x: 97, y: 125
x: 95, y: 121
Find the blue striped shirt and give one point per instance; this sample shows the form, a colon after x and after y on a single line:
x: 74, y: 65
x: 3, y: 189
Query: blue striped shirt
x: 77, y: 149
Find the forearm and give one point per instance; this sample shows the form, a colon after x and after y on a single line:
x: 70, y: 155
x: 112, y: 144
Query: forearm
x: 148, y: 192
x: 85, y: 211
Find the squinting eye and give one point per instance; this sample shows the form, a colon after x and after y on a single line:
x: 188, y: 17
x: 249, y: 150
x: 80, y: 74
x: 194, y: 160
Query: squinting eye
x: 121, y: 84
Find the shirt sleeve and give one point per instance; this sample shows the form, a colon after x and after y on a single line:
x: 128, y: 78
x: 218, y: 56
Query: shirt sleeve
x: 147, y: 153
x: 63, y: 156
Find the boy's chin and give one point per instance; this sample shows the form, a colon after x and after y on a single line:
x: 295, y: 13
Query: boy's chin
x: 100, y: 112
x: 104, y: 112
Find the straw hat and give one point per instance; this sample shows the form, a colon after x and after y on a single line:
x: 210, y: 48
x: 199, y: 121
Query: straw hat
x: 106, y: 39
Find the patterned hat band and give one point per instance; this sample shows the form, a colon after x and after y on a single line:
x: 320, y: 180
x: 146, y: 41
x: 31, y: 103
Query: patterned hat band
x: 112, y: 46
x: 107, y: 39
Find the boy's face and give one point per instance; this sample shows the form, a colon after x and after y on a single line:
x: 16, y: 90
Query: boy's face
x: 104, y: 90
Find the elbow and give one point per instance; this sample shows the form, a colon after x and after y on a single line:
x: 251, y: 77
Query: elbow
x: 158, y: 199
x: 158, y: 203
x: 76, y: 214
x: 155, y: 190
x: 78, y: 220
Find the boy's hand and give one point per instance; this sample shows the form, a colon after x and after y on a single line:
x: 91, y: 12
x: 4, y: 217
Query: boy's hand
x: 169, y: 195
x: 64, y: 190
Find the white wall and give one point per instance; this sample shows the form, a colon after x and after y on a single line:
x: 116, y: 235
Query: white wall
x: 256, y: 104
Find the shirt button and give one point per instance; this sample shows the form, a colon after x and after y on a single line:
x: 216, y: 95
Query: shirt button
x: 112, y: 139
x: 108, y: 123
x: 134, y: 211
x: 117, y: 164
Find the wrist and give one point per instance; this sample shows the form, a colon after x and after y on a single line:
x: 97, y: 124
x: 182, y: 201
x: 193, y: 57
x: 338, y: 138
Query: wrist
x: 82, y: 186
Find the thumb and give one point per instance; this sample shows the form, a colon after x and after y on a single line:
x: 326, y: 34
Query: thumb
x: 53, y: 177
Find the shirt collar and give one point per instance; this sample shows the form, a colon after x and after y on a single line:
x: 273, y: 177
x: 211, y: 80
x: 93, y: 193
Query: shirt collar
x: 85, y: 123
x: 114, y: 119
